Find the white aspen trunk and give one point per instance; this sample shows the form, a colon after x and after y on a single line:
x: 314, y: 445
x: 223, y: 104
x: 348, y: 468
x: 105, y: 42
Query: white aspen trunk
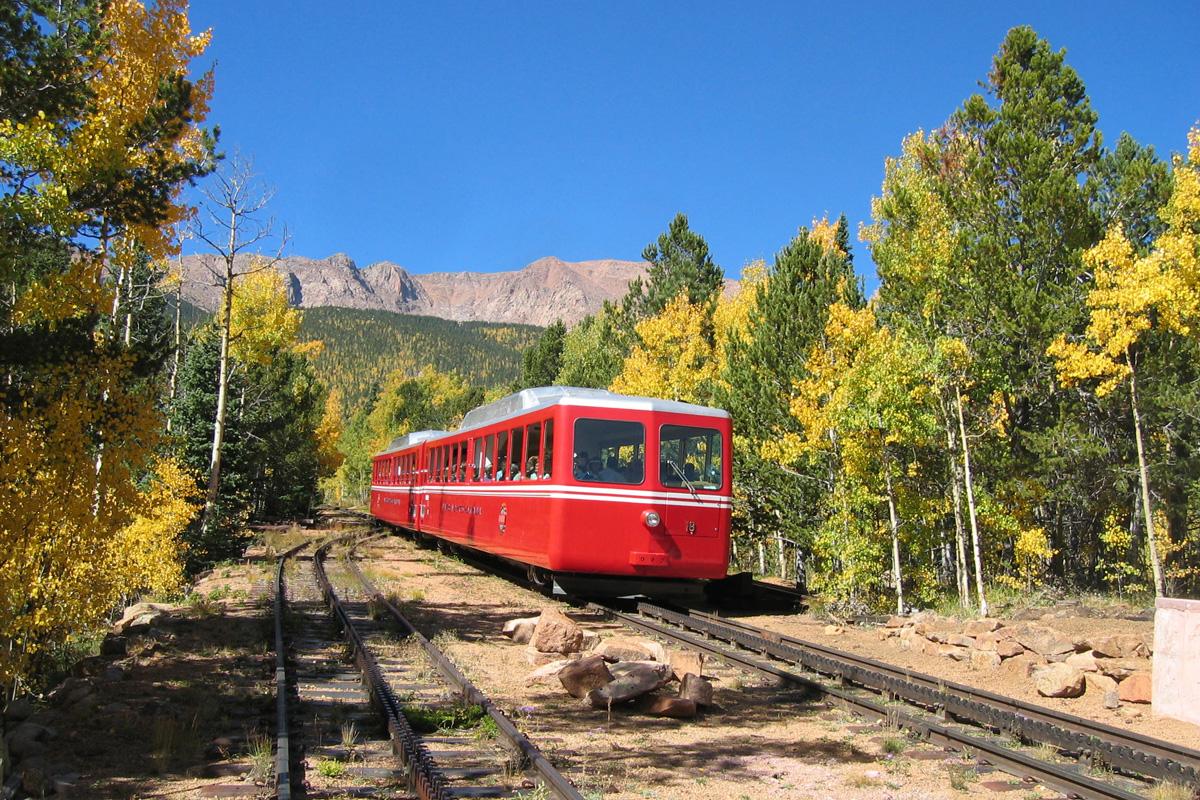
x: 128, y: 337
x: 1155, y: 565
x: 961, y: 573
x: 175, y: 356
x: 782, y: 563
x: 966, y: 453
x: 214, y: 468
x: 895, y: 542
x: 762, y: 559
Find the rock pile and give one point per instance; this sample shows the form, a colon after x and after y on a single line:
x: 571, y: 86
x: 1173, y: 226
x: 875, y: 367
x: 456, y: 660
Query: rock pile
x: 1114, y: 666
x: 616, y: 671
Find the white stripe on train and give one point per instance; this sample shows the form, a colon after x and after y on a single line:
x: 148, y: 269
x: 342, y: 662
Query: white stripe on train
x: 570, y: 493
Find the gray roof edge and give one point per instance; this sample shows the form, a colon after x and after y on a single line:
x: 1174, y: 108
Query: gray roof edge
x: 409, y: 439
x: 545, y: 396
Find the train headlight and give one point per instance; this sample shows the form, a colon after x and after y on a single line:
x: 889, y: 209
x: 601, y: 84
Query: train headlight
x: 651, y: 519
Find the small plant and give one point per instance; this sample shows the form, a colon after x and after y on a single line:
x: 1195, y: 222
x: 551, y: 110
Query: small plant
x: 258, y: 748
x: 330, y: 768
x: 444, y: 718
x: 894, y: 745
x: 416, y: 595
x: 1170, y: 791
x: 350, y: 738
x: 961, y: 776
x: 488, y: 729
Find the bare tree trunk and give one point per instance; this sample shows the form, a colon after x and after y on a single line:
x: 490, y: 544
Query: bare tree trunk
x: 782, y: 563
x: 966, y: 453
x: 214, y: 466
x: 1155, y: 565
x: 887, y: 472
x: 762, y: 559
x: 961, y: 573
x: 175, y: 356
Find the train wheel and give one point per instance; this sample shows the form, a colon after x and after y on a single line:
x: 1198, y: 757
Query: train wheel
x: 540, y: 578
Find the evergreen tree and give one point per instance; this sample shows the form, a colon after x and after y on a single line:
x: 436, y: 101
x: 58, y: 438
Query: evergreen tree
x: 679, y: 263
x: 542, y: 360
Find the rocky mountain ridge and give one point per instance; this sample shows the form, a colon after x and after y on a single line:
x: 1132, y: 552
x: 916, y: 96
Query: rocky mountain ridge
x: 538, y: 294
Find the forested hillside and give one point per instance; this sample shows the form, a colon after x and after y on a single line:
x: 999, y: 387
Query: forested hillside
x: 362, y: 347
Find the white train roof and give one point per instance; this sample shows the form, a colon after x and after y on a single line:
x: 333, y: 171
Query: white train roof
x: 547, y: 396
x: 409, y: 439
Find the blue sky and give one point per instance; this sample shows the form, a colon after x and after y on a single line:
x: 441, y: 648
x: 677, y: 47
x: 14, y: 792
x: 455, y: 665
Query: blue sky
x: 480, y: 136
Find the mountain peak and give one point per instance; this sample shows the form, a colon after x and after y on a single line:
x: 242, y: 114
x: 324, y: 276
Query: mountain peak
x: 539, y: 293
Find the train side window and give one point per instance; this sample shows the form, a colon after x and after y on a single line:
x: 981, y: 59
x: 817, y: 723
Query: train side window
x: 516, y: 459
x: 609, y: 451
x: 533, y: 446
x: 548, y: 450
x: 502, y: 456
x: 489, y: 457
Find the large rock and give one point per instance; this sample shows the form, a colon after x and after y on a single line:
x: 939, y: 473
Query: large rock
x: 630, y: 679
x: 556, y: 633
x: 590, y: 640
x: 685, y: 661
x: 1044, y: 641
x: 1007, y: 648
x: 897, y: 622
x: 1119, y: 668
x: 19, y: 709
x: 978, y: 626
x: 622, y: 648
x: 1098, y: 683
x: 520, y: 630
x: 1136, y: 688
x: 1123, y: 645
x: 1085, y: 662
x: 142, y: 615
x: 536, y: 658
x: 547, y: 673
x: 582, y: 676
x: 984, y: 659
x: 676, y: 707
x: 961, y: 640
x: 1059, y: 680
x: 954, y: 652
x: 696, y: 689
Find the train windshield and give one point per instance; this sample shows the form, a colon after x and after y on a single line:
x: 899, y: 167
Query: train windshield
x: 689, y: 457
x: 609, y: 451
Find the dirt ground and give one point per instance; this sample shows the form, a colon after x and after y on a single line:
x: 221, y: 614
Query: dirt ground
x: 759, y: 741
x: 188, y: 710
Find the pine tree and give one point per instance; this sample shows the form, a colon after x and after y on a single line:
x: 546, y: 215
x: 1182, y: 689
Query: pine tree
x: 679, y: 263
x: 542, y: 360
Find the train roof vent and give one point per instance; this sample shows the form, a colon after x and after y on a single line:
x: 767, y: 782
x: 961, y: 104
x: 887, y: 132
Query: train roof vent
x: 528, y: 399
x: 416, y: 437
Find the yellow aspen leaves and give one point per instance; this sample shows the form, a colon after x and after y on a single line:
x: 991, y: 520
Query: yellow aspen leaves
x: 674, y: 357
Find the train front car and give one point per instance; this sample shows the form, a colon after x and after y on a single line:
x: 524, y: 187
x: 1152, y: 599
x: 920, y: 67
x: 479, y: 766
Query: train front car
x: 646, y: 504
x: 595, y: 493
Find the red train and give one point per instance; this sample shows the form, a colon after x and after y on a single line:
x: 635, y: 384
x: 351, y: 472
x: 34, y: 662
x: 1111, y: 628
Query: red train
x: 593, y: 492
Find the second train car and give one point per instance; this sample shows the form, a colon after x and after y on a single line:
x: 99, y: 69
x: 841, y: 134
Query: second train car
x: 591, y: 492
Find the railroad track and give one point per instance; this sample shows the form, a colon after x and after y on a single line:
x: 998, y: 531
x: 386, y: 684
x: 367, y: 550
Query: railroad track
x: 377, y: 720
x: 1090, y: 760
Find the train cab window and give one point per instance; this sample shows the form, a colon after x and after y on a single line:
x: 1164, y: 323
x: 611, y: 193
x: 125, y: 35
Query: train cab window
x: 609, y: 451
x: 516, y: 458
x: 548, y: 450
x: 533, y: 446
x: 689, y: 457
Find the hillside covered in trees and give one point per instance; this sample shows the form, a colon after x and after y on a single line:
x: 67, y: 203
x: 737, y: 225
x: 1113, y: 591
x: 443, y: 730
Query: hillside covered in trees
x: 360, y: 348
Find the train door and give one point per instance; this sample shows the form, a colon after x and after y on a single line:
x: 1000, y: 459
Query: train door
x: 690, y: 467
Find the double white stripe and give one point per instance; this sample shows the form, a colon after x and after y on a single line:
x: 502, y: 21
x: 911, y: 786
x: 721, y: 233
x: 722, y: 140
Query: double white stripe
x: 563, y: 492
